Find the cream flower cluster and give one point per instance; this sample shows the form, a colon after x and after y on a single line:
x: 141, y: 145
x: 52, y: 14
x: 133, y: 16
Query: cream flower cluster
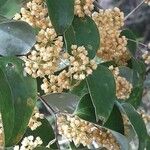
x: 29, y: 143
x: 34, y: 13
x: 113, y: 45
x: 123, y: 87
x: 44, y: 57
x: 147, y: 2
x: 82, y: 132
x: 146, y: 57
x: 79, y: 67
x: 35, y: 122
x: 83, y: 7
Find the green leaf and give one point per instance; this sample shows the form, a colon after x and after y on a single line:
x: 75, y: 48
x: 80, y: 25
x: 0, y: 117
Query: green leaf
x: 87, y: 34
x: 45, y: 132
x: 137, y: 123
x: 139, y: 71
x: 61, y: 14
x: 6, y: 106
x: 81, y: 89
x: 115, y: 121
x: 132, y: 43
x: 62, y: 101
x: 85, y: 109
x: 24, y: 94
x: 18, y: 37
x: 70, y: 38
x: 9, y: 8
x: 101, y: 86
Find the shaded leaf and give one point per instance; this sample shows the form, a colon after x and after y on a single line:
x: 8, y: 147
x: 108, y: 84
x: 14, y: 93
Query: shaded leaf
x: 115, y: 121
x: 70, y: 38
x: 81, y: 89
x: 24, y: 93
x: 85, y: 109
x: 61, y: 14
x: 139, y: 71
x: 45, y: 132
x: 101, y: 86
x: 87, y: 34
x: 62, y: 101
x: 132, y: 43
x: 18, y: 37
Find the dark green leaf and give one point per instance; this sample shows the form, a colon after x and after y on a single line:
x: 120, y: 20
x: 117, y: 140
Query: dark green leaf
x: 18, y: 37
x: 85, y: 109
x: 62, y: 101
x: 139, y: 70
x: 45, y: 132
x: 87, y: 34
x: 115, y: 121
x: 137, y: 123
x: 61, y: 14
x: 101, y: 86
x: 132, y: 43
x: 70, y: 38
x: 24, y: 93
x: 6, y: 106
x: 81, y: 89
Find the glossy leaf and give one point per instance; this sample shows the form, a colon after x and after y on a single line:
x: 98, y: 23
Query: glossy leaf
x: 137, y: 123
x: 62, y: 101
x: 24, y: 92
x: 87, y: 34
x: 132, y: 43
x: 61, y: 14
x: 101, y: 86
x: 18, y: 37
x: 45, y: 132
x: 42, y: 148
x: 115, y: 121
x: 85, y: 109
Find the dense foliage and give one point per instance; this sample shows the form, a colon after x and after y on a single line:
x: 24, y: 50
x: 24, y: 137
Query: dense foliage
x: 70, y: 77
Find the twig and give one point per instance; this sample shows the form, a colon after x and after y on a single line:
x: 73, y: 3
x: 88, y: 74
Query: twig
x: 134, y: 10
x: 138, y: 42
x: 96, y: 4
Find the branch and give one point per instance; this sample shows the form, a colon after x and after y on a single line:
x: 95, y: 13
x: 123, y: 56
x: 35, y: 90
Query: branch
x: 134, y: 10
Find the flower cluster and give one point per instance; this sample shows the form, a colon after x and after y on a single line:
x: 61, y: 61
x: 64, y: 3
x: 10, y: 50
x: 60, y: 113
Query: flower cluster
x: 82, y: 132
x: 147, y: 2
x: 35, y: 122
x: 28, y: 143
x: 146, y: 57
x: 34, y: 13
x: 79, y: 67
x: 123, y: 87
x: 113, y: 45
x: 44, y: 57
x: 83, y: 7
